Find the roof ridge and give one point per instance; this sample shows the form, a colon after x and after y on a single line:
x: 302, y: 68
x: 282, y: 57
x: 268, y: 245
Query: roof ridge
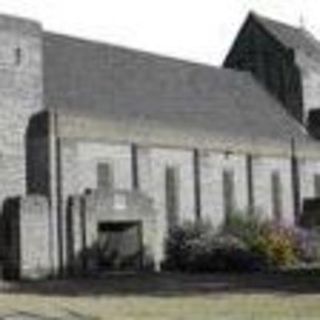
x: 146, y: 53
x: 291, y: 37
x: 311, y: 37
x: 274, y: 21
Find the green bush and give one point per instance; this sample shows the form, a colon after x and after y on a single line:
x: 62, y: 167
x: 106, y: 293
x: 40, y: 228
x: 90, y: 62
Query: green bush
x: 199, y: 248
x: 247, y: 228
x: 181, y: 244
x: 246, y: 243
x: 276, y: 243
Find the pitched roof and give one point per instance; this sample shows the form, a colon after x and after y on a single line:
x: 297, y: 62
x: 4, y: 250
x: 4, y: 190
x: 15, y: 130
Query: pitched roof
x: 290, y: 36
x: 101, y: 80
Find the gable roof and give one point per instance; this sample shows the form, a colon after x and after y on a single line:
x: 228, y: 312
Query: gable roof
x: 100, y: 80
x: 290, y: 36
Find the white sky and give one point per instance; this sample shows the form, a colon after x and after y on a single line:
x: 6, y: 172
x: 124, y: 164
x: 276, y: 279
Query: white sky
x: 198, y: 30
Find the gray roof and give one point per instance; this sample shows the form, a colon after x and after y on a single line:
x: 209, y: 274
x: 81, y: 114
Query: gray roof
x: 101, y: 80
x: 290, y: 36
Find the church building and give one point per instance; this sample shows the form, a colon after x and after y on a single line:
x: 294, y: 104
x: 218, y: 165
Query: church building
x: 103, y: 149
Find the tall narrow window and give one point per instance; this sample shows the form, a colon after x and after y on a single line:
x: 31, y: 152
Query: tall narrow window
x: 250, y: 186
x: 228, y: 193
x: 276, y: 195
x: 18, y: 56
x: 172, y: 195
x: 134, y: 166
x: 104, y: 176
x: 316, y: 181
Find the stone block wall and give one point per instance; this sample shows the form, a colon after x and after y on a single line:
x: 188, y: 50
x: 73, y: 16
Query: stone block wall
x: 310, y: 74
x: 20, y: 97
x: 212, y: 166
x: 152, y: 163
x: 99, y: 207
x: 262, y: 170
x: 79, y: 159
x: 36, y: 255
x: 308, y: 169
x: 28, y: 238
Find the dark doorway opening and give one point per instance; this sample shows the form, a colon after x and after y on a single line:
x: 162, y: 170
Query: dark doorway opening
x: 120, y: 245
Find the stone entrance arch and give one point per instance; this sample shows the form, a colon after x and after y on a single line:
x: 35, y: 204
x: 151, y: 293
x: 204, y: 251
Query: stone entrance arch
x: 118, y: 225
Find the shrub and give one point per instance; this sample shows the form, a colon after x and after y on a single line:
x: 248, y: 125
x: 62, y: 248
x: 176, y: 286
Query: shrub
x: 181, y: 244
x: 247, y: 228
x: 245, y: 244
x: 198, y: 248
x: 277, y: 244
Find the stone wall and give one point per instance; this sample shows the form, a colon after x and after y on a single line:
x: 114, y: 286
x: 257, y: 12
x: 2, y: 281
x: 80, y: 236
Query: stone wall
x: 87, y: 211
x: 79, y: 159
x: 262, y: 169
x: 310, y: 70
x: 20, y: 97
x: 309, y: 168
x: 78, y: 172
x: 28, y: 238
x: 152, y: 164
x: 212, y: 166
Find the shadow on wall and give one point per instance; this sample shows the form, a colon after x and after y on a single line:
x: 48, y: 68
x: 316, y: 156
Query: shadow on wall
x: 9, y: 238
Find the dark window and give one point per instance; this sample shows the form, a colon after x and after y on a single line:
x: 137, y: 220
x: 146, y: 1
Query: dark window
x: 104, y: 176
x: 276, y: 194
x: 172, y: 195
x: 18, y: 56
x: 316, y: 182
x: 228, y: 193
x: 134, y: 166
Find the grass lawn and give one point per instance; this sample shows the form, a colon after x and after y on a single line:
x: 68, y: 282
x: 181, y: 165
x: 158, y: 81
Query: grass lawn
x: 166, y: 297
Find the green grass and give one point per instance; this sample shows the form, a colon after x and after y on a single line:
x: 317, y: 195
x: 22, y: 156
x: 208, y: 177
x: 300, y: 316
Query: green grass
x: 179, y: 297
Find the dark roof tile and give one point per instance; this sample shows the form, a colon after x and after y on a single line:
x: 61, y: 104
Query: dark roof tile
x: 100, y: 80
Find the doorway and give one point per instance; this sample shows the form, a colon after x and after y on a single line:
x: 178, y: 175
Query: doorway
x: 120, y: 245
